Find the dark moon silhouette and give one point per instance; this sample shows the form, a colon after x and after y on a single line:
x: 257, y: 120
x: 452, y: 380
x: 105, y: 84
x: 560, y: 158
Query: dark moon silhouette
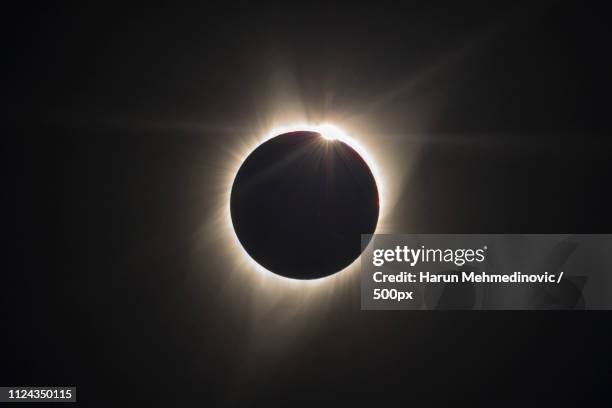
x: 300, y: 203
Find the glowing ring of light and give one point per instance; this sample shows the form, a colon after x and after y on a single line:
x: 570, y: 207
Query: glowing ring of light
x: 328, y: 131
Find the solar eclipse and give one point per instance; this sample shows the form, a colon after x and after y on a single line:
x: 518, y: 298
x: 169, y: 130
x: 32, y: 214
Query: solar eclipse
x: 300, y: 202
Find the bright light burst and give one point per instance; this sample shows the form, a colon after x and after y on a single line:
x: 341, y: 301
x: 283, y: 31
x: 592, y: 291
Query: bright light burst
x: 266, y: 287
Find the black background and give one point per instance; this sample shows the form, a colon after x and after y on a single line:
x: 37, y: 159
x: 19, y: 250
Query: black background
x: 99, y: 288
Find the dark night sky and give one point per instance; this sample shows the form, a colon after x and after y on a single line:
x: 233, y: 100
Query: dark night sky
x: 99, y: 284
